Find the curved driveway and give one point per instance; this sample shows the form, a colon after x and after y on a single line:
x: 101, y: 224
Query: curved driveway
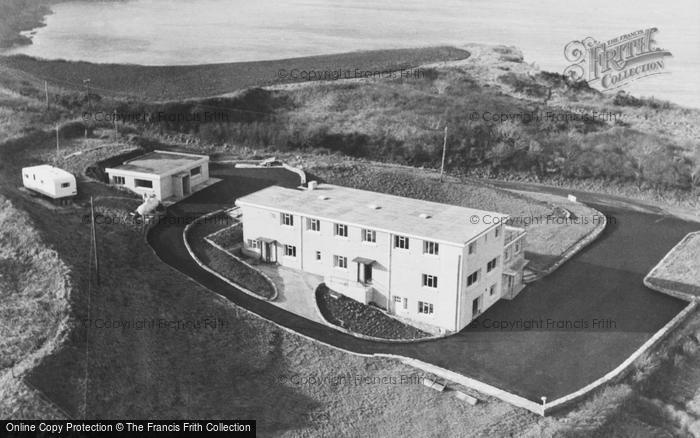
x: 601, y: 283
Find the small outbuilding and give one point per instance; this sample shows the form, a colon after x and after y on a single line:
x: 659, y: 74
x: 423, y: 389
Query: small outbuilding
x: 168, y: 176
x: 50, y: 181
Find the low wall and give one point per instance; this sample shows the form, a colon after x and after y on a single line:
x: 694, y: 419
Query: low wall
x: 213, y: 272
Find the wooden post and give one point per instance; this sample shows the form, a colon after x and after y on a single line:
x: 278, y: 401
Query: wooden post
x: 444, y: 151
x: 46, y: 93
x: 58, y: 152
x: 94, y: 242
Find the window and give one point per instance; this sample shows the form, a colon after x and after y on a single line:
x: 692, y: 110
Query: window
x: 119, y: 180
x: 425, y: 308
x: 405, y: 303
x: 473, y: 278
x: 492, y: 290
x: 508, y: 253
x: 65, y: 185
x: 369, y: 236
x: 498, y: 231
x: 341, y: 230
x: 26, y: 176
x: 429, y: 281
x: 340, y: 262
x: 472, y: 248
x: 401, y: 242
x: 252, y: 244
x: 143, y: 183
x: 196, y: 171
x: 313, y: 224
x: 287, y: 219
x: 318, y: 255
x: 517, y: 247
x: 290, y: 250
x: 490, y: 266
x: 430, y: 247
x: 397, y: 299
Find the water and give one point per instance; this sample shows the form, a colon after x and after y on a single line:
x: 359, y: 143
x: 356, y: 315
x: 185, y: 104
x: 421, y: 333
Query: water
x: 171, y: 32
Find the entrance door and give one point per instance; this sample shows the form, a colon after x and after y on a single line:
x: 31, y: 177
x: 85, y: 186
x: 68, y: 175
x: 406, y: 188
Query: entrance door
x: 368, y: 273
x: 186, y: 185
x: 476, y: 306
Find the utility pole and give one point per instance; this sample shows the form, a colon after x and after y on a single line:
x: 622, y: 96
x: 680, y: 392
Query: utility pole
x: 86, y: 82
x: 116, y: 130
x: 444, y: 152
x: 58, y: 143
x: 46, y: 93
x: 94, y: 242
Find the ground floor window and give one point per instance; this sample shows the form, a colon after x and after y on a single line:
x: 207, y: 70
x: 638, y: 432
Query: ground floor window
x: 397, y: 299
x: 143, y: 183
x: 290, y: 250
x: 340, y: 262
x: 318, y: 255
x: 253, y: 244
x: 492, y: 290
x: 426, y: 308
x: 119, y: 180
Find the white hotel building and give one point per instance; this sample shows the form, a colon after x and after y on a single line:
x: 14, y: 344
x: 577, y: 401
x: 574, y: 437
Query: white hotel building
x: 436, y: 264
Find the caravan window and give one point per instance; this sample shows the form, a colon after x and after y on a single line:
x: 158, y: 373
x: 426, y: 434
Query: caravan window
x: 143, y: 183
x: 196, y: 171
x: 65, y: 185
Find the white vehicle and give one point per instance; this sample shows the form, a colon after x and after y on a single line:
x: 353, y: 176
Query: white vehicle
x: 49, y: 181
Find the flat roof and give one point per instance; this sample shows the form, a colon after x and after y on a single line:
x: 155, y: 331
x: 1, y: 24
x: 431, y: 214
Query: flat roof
x: 379, y: 211
x: 159, y: 162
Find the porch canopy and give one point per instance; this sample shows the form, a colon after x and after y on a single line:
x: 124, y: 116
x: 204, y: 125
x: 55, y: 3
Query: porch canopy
x: 364, y: 261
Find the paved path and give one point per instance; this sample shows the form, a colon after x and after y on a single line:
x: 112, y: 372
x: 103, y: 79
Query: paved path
x: 297, y: 290
x: 601, y: 283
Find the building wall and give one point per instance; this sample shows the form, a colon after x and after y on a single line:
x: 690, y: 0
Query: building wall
x: 407, y: 269
x: 396, y: 273
x: 163, y: 185
x: 488, y: 247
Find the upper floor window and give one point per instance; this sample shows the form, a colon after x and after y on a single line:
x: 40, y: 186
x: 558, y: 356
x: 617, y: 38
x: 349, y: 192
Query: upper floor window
x: 472, y: 248
x: 341, y: 230
x: 313, y: 224
x: 498, y: 231
x: 473, y: 278
x: 369, y: 236
x: 492, y: 290
x: 517, y: 247
x: 430, y: 247
x: 490, y: 266
x: 430, y: 281
x: 401, y: 242
x: 287, y: 219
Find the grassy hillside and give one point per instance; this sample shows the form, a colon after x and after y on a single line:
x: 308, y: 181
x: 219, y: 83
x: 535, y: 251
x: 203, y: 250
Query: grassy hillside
x: 185, y: 82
